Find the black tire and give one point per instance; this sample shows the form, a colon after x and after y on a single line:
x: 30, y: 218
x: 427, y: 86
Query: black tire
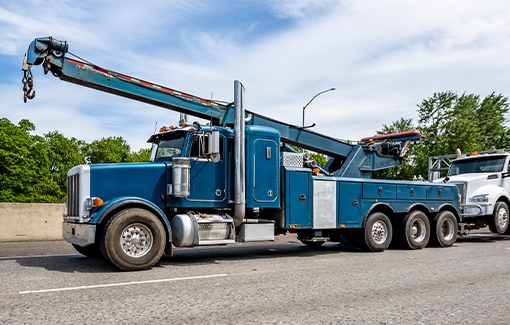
x: 443, y: 230
x: 377, y: 234
x: 414, y: 230
x: 92, y: 251
x: 498, y: 222
x: 134, y: 239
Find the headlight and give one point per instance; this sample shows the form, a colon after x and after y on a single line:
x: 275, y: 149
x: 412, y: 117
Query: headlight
x: 484, y: 198
x: 474, y: 210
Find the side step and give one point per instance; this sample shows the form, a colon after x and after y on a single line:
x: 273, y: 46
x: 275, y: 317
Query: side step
x: 255, y: 230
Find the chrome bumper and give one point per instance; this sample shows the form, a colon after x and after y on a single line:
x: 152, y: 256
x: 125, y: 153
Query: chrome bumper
x: 79, y: 234
x: 473, y: 210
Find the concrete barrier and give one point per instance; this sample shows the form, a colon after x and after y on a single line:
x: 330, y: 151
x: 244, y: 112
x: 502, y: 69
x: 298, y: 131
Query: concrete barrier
x: 31, y: 221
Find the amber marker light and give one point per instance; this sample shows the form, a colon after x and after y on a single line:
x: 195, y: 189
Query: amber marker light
x: 292, y: 226
x: 98, y: 202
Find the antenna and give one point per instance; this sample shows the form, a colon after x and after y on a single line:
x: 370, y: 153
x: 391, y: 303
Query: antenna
x: 211, y: 110
x: 155, y: 127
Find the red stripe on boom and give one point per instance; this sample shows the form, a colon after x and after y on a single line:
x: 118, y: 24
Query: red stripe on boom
x: 74, y: 62
x: 99, y: 69
x: 391, y: 136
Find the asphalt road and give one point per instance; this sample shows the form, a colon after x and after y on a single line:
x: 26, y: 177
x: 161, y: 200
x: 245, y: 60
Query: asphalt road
x: 280, y: 283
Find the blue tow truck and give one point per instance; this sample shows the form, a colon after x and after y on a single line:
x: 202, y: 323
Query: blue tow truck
x: 237, y: 179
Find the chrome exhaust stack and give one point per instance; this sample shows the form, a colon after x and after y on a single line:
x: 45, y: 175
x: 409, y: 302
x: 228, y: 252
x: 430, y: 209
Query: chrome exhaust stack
x: 239, y: 154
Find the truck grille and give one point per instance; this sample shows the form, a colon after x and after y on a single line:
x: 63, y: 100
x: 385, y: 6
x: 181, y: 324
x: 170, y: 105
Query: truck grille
x: 73, y: 195
x: 462, y: 191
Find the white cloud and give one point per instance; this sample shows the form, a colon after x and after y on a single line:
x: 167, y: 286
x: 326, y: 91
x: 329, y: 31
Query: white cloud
x: 383, y: 57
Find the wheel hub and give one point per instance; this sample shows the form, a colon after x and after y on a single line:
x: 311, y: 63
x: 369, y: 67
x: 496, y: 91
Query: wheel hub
x: 502, y: 218
x: 379, y: 232
x: 418, y: 230
x: 447, y: 229
x: 136, y: 240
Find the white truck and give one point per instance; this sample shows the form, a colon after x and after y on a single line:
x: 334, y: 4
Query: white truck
x: 483, y: 180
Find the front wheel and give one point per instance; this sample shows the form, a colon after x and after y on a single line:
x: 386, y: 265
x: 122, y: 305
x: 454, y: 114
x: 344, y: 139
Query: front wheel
x: 376, y: 236
x: 134, y: 239
x: 498, y: 222
x: 444, y: 230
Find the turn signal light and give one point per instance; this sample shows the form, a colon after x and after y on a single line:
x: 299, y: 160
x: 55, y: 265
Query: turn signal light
x: 93, y: 202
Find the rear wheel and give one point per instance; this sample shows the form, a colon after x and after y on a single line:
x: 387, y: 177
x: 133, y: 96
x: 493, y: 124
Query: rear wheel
x: 444, y: 230
x: 134, y: 239
x: 498, y: 222
x: 376, y: 236
x: 414, y: 230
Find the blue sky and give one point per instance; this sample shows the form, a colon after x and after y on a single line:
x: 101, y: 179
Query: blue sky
x: 383, y: 58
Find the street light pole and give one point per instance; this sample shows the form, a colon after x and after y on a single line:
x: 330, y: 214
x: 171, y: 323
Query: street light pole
x: 322, y: 92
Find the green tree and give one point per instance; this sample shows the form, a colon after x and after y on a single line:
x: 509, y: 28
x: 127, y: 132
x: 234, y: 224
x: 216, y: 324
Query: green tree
x: 108, y: 150
x: 24, y: 165
x: 406, y: 170
x: 142, y: 155
x: 451, y: 121
x: 492, y: 123
x: 63, y: 154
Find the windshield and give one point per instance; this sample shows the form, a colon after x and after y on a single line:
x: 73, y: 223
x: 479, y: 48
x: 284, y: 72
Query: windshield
x: 169, y: 147
x: 477, y: 165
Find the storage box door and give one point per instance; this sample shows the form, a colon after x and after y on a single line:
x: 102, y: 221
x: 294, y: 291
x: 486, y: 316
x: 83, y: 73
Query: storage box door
x: 266, y: 168
x: 298, y: 199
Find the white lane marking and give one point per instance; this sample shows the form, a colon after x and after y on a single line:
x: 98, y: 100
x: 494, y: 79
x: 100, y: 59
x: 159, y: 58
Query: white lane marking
x: 124, y: 284
x: 56, y: 255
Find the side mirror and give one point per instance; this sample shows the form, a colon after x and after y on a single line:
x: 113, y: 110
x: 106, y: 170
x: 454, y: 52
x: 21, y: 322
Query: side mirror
x: 213, y: 147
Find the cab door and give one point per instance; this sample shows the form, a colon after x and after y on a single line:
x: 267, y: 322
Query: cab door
x: 504, y: 178
x: 208, y: 180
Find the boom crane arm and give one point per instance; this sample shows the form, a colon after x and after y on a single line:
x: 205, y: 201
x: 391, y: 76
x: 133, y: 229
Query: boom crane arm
x: 51, y: 54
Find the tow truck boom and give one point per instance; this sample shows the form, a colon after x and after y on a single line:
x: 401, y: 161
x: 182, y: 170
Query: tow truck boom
x: 51, y: 54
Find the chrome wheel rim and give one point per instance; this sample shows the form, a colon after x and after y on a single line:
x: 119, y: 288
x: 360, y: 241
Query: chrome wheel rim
x: 379, y: 232
x: 502, y: 218
x: 418, y: 230
x: 447, y: 229
x: 136, y: 240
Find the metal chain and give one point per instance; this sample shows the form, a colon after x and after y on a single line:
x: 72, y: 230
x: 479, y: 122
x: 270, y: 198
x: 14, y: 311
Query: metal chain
x: 28, y: 85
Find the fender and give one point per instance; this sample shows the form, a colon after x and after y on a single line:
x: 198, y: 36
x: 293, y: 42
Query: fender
x: 443, y: 207
x: 101, y: 212
x: 417, y: 204
x: 376, y: 205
